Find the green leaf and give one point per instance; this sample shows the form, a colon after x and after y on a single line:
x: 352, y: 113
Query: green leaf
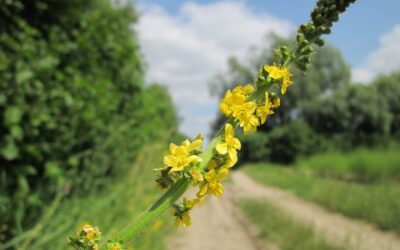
x: 24, y: 76
x: 12, y: 115
x: 10, y: 151
x: 16, y: 132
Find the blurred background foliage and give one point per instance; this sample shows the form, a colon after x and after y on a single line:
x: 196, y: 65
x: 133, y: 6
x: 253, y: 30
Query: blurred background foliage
x: 323, y: 111
x: 74, y: 108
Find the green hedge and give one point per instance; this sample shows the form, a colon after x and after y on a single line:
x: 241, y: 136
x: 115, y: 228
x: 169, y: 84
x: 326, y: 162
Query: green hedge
x: 73, y: 105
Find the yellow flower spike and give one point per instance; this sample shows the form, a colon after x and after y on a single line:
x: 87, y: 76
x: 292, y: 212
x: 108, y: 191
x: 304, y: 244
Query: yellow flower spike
x: 264, y: 111
x: 230, y: 144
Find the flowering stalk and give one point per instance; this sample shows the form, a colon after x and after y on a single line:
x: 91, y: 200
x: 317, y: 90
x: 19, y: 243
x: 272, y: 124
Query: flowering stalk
x: 246, y: 106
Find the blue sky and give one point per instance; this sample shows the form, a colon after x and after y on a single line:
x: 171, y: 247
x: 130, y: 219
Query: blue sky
x: 185, y: 43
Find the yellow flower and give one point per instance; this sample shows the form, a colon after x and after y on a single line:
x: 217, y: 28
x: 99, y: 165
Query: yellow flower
x: 181, y: 156
x: 244, y: 90
x: 264, y: 111
x: 191, y: 203
x: 213, y: 184
x: 232, y: 102
x: 273, y: 71
x: 230, y: 144
x: 114, y: 246
x: 276, y: 102
x: 277, y: 73
x: 228, y: 164
x: 286, y: 82
x: 247, y: 120
x: 196, y: 175
x: 183, y: 219
x: 95, y: 247
x: 90, y: 232
x: 212, y: 164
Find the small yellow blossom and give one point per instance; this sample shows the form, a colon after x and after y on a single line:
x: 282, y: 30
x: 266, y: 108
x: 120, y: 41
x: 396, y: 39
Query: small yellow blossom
x: 244, y: 90
x: 95, y: 247
x: 114, y: 246
x: 276, y: 102
x: 196, y: 175
x: 247, y: 120
x: 90, y: 232
x: 230, y: 144
x: 213, y: 184
x: 181, y: 156
x: 228, y: 164
x: 286, y: 82
x: 183, y: 219
x: 264, y: 111
x: 212, y: 164
x: 231, y: 103
x: 278, y: 73
x: 273, y: 71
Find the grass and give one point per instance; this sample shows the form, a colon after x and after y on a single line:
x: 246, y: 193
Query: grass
x: 363, y: 165
x: 279, y: 228
x: 112, y: 209
x: 378, y: 203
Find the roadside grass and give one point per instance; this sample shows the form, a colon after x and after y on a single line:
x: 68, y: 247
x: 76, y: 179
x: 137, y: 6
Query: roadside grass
x: 111, y: 209
x: 279, y: 228
x: 377, y: 203
x: 362, y: 165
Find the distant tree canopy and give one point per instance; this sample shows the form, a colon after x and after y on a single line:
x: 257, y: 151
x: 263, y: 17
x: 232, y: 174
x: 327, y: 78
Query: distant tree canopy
x: 321, y: 110
x: 73, y: 104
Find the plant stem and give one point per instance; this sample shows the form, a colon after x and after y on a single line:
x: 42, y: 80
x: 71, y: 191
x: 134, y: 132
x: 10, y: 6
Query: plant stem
x: 133, y: 230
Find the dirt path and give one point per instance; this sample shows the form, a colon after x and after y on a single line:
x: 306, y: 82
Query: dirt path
x: 336, y: 228
x: 219, y: 225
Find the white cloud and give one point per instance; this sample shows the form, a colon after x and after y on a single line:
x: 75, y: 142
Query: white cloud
x: 385, y: 60
x: 184, y: 51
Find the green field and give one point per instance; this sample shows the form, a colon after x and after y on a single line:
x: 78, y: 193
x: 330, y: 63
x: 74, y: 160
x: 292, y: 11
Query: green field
x: 110, y: 209
x: 279, y: 228
x: 377, y: 202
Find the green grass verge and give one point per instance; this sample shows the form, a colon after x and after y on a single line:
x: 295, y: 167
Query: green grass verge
x: 362, y: 165
x: 279, y: 228
x: 377, y: 203
x: 111, y: 209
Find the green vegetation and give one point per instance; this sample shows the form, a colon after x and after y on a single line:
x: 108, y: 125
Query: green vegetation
x: 122, y: 200
x: 378, y: 203
x: 361, y: 165
x: 279, y: 228
x: 74, y: 109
